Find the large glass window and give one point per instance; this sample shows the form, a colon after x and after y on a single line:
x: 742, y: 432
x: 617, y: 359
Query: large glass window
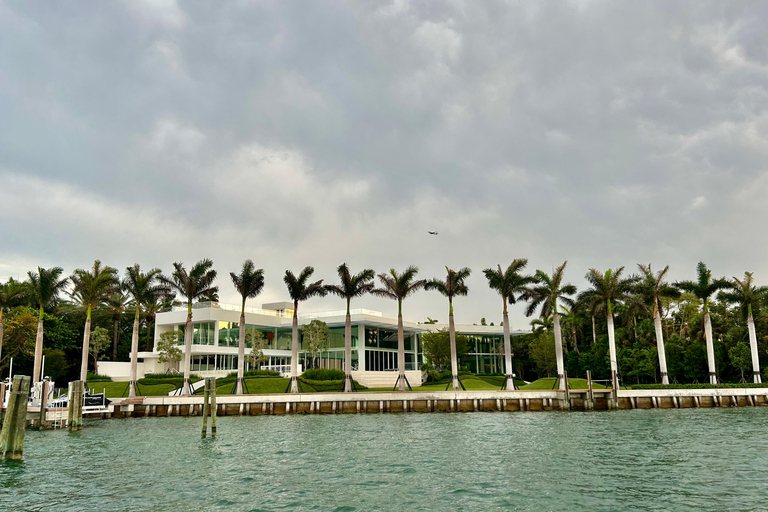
x: 203, y: 333
x: 284, y: 338
x: 229, y: 334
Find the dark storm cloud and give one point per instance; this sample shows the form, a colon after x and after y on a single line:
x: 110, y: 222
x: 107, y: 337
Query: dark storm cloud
x: 297, y: 133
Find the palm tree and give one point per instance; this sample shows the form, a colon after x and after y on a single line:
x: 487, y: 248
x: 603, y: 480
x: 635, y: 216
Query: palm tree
x: 143, y: 288
x: 11, y: 294
x: 352, y: 286
x: 116, y: 304
x: 652, y: 288
x: 452, y: 286
x: 542, y: 325
x: 90, y: 288
x: 570, y: 321
x: 608, y: 290
x: 748, y: 296
x: 398, y: 287
x: 300, y: 290
x: 704, y: 288
x: 249, y: 283
x: 546, y: 293
x: 510, y: 284
x: 47, y: 286
x: 193, y: 285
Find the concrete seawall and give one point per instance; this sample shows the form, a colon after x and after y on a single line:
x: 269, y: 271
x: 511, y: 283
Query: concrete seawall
x: 449, y: 401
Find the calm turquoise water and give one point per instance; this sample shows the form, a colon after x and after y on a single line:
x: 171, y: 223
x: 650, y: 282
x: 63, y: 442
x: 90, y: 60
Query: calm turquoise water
x: 624, y: 460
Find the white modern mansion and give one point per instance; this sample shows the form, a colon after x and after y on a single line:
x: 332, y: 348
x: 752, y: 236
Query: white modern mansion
x: 374, y: 343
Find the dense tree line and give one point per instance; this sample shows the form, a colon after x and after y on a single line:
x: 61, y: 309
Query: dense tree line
x: 640, y: 325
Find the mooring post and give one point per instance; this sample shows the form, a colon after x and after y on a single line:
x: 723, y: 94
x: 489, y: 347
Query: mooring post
x: 2, y: 402
x: 75, y: 412
x: 614, y: 390
x: 12, y: 435
x: 206, y: 393
x: 42, y: 423
x: 567, y: 402
x: 590, y: 396
x: 214, y: 410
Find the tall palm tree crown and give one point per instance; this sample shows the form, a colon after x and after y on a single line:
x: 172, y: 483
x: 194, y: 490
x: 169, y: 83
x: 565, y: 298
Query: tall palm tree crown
x: 399, y: 286
x: 453, y: 285
x: 652, y: 287
x: 249, y: 283
x: 704, y: 287
x: 547, y: 291
x: 352, y: 286
x: 744, y: 293
x: 90, y: 288
x: 193, y: 285
x: 509, y: 283
x: 299, y: 290
x: 608, y: 290
x: 46, y: 285
x: 116, y: 302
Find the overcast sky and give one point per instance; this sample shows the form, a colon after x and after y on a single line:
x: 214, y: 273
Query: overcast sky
x: 311, y: 133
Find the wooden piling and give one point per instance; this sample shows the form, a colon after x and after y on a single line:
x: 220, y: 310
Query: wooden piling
x: 75, y: 412
x: 590, y: 405
x: 214, y: 409
x: 567, y: 402
x: 12, y: 435
x: 41, y: 422
x: 614, y: 390
x: 2, y: 402
x: 206, y: 393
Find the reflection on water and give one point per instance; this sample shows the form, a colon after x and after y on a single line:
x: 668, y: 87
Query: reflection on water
x: 625, y: 460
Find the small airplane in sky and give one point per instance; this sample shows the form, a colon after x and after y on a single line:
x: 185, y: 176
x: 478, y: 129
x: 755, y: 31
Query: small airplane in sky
x: 432, y: 232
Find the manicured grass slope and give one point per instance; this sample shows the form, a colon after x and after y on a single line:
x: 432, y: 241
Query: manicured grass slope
x: 549, y: 383
x: 120, y: 389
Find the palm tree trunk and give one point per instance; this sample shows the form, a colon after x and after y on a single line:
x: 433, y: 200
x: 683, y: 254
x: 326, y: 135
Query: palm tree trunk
x: 710, y: 348
x: 509, y: 381
x: 559, y: 351
x: 400, y: 349
x: 134, y: 354
x: 594, y: 331
x: 38, y: 349
x: 575, y: 341
x: 452, y: 338
x: 187, y: 349
x: 348, y: 351
x: 150, y: 321
x: 86, y: 342
x: 241, y: 354
x: 114, y: 339
x: 660, y: 347
x: 612, y: 343
x: 295, y: 350
x: 752, y: 347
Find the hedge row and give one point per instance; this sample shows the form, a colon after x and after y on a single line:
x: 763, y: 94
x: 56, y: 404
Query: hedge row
x: 325, y: 386
x: 724, y: 385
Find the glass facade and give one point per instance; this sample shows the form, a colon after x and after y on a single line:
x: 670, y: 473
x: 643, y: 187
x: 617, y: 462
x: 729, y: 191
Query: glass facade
x: 486, y: 354
x: 213, y: 362
x: 203, y: 333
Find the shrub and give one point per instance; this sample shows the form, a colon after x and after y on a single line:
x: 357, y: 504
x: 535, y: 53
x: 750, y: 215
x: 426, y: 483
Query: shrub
x: 324, y: 386
x: 256, y: 373
x: 318, y: 374
x: 92, y: 377
x: 723, y: 385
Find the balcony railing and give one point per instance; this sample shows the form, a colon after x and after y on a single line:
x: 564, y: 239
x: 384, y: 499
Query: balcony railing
x: 288, y: 313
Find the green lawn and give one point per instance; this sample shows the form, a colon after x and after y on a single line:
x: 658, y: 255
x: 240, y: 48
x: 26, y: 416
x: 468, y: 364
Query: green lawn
x: 549, y: 383
x: 256, y: 386
x: 120, y: 389
x: 471, y: 382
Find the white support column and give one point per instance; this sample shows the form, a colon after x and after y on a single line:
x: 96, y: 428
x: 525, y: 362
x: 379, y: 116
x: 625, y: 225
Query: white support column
x: 215, y: 333
x: 361, y: 347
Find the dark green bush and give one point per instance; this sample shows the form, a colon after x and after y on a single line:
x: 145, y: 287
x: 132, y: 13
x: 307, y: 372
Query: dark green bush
x: 724, y: 385
x: 323, y: 374
x: 256, y: 373
x: 325, y: 386
x: 92, y: 377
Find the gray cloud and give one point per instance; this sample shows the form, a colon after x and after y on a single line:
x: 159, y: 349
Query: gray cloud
x: 606, y: 133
